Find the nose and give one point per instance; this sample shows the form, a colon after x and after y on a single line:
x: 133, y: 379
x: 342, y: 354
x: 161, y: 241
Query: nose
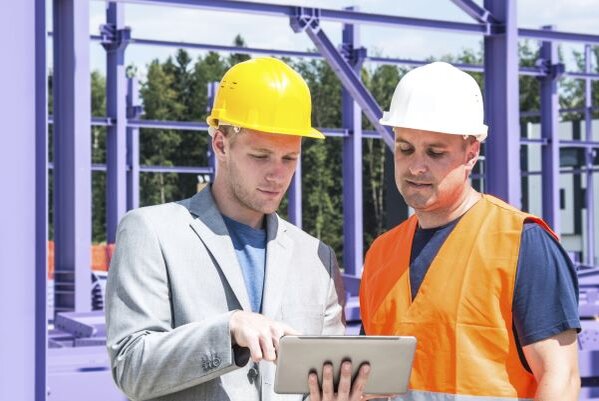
x: 276, y: 172
x: 417, y: 165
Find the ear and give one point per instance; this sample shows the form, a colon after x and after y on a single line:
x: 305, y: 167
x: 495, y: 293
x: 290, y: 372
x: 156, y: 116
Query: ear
x: 219, y: 142
x: 472, y: 153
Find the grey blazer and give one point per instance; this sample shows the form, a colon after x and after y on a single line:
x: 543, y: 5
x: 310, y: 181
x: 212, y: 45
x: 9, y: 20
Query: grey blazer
x: 173, y: 283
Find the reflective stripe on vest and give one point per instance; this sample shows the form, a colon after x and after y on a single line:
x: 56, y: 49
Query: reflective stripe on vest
x: 462, y: 314
x: 430, y: 396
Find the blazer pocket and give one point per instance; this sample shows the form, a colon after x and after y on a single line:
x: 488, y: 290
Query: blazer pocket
x: 307, y: 318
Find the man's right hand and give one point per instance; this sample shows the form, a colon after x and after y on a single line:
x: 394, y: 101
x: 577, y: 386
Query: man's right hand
x: 258, y: 333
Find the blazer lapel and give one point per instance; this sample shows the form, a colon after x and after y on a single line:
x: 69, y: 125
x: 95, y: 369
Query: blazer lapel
x: 211, y: 229
x: 278, y: 254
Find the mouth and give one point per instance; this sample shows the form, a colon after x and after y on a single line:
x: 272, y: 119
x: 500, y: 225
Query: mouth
x: 418, y: 184
x: 269, y: 192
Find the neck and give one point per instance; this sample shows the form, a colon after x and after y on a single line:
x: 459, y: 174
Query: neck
x: 230, y: 206
x: 439, y: 218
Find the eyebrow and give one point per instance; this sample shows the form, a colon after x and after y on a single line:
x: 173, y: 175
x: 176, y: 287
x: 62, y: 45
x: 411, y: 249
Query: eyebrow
x: 430, y: 145
x: 264, y: 150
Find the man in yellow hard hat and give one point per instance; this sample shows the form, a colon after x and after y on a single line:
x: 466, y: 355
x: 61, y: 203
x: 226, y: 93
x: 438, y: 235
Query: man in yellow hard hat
x: 198, y: 287
x: 486, y: 289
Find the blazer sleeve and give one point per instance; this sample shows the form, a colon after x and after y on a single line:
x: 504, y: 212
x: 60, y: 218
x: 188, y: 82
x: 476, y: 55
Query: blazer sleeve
x: 334, y: 314
x: 149, y: 357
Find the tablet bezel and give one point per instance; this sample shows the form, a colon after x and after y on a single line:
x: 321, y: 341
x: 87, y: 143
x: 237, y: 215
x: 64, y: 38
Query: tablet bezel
x: 390, y: 358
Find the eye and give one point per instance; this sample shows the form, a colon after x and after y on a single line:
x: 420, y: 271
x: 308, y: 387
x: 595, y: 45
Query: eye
x: 258, y: 157
x: 405, y: 150
x: 435, y: 155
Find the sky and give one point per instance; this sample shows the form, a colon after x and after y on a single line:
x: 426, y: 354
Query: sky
x: 217, y: 27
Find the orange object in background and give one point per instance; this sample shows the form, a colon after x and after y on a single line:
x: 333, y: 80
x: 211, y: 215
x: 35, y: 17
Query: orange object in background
x: 100, y: 257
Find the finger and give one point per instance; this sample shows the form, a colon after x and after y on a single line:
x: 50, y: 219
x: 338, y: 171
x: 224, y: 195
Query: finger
x: 360, y: 382
x: 327, y: 382
x: 314, y: 387
x: 277, y: 333
x: 255, y: 350
x: 344, y: 381
x: 268, y: 351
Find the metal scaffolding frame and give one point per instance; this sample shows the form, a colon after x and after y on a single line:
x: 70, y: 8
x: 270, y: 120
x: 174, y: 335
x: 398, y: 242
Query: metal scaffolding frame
x: 496, y: 22
x: 72, y: 165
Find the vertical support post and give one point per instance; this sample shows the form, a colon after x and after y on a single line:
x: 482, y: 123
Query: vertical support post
x: 133, y: 111
x: 294, y: 208
x: 41, y: 200
x: 589, y: 256
x: 352, y: 162
x: 72, y: 156
x: 502, y: 158
x: 550, y: 151
x: 116, y: 133
x: 22, y: 213
x: 212, y: 89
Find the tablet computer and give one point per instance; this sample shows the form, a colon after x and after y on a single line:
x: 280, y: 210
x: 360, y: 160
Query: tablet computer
x: 390, y: 359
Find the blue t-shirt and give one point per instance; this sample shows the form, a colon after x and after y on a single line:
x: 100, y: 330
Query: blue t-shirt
x: 250, y: 247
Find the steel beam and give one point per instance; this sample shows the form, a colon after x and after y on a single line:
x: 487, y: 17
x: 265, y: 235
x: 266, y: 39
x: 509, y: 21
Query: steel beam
x: 114, y: 41
x: 545, y: 35
x: 133, y: 111
x: 589, y: 254
x: 475, y: 11
x: 294, y: 208
x: 308, y: 20
x: 212, y: 89
x: 549, y: 132
x: 22, y: 212
x: 72, y: 156
x: 41, y: 200
x: 502, y: 105
x: 352, y: 160
x: 343, y: 16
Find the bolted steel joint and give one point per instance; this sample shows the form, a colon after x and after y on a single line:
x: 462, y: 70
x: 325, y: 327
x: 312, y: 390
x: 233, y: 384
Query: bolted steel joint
x: 113, y: 39
x: 354, y: 56
x: 550, y: 71
x: 135, y: 112
x: 305, y: 17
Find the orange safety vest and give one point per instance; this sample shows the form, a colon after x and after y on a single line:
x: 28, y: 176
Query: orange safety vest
x: 462, y: 314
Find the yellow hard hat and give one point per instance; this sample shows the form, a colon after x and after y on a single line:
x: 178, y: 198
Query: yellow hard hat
x: 264, y: 94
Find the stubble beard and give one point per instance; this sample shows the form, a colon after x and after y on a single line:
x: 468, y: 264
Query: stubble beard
x: 247, y: 199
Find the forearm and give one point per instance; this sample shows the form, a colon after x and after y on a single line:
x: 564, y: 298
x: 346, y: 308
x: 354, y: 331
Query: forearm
x: 558, y: 386
x: 150, y: 364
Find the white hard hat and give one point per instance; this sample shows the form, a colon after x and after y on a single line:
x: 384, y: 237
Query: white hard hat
x: 438, y: 97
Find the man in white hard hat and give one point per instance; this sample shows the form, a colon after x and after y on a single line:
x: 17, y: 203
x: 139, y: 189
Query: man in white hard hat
x: 199, y: 286
x: 487, y: 290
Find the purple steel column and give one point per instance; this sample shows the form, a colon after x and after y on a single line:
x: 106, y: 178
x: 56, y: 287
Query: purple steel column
x: 212, y: 89
x: 41, y: 199
x: 589, y: 255
x: 22, y: 108
x: 502, y: 152
x: 352, y: 163
x: 294, y: 208
x: 133, y: 111
x: 549, y: 132
x: 116, y: 109
x: 72, y: 156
